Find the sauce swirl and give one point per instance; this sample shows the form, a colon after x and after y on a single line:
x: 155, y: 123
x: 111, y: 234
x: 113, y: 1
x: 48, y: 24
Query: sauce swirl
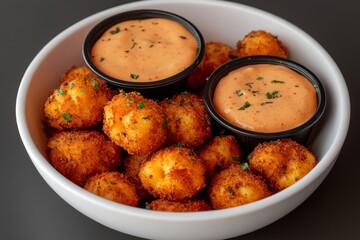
x: 265, y: 98
x: 144, y: 50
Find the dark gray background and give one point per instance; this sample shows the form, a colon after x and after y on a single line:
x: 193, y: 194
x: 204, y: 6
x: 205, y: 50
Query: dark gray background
x: 30, y: 209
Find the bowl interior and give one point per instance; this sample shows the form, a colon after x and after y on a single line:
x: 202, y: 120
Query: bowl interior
x: 65, y: 50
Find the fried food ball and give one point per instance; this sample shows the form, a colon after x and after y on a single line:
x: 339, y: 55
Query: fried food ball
x: 234, y: 187
x: 135, y: 123
x: 75, y: 72
x: 219, y: 153
x: 216, y: 54
x: 173, y: 173
x: 281, y: 162
x: 113, y: 186
x: 79, y: 155
x: 191, y: 205
x: 260, y: 42
x: 78, y: 103
x: 132, y: 165
x: 188, y: 121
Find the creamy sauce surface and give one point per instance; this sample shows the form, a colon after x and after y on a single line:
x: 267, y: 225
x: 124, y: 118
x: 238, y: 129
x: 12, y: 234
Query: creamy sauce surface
x: 144, y: 50
x: 265, y: 98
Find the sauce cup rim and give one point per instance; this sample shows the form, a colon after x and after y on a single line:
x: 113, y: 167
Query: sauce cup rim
x: 95, y: 33
x: 224, y: 69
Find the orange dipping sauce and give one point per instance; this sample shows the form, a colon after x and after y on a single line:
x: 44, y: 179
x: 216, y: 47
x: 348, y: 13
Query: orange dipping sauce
x: 265, y: 98
x: 144, y: 50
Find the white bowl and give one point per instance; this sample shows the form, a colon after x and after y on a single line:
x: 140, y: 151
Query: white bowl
x: 219, y: 21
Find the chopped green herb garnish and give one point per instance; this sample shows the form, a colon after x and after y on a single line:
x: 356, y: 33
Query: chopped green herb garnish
x: 264, y: 103
x: 274, y: 94
x: 61, y: 91
x: 184, y: 93
x: 244, y: 166
x: 71, y: 85
x: 82, y: 91
x: 181, y: 145
x: 231, y: 191
x: 249, y: 84
x: 95, y: 82
x: 134, y: 76
x: 246, y: 105
x: 102, y: 59
x: 165, y: 123
x: 182, y: 37
x: 67, y: 116
x: 235, y: 158
x: 259, y: 78
x: 117, y: 30
x: 182, y: 102
x: 140, y: 105
x: 147, y: 206
x: 146, y: 118
x: 277, y: 81
x: 113, y: 183
x: 239, y: 93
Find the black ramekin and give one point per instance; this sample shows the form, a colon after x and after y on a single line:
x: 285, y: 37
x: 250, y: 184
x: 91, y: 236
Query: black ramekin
x: 155, y: 89
x: 250, y: 139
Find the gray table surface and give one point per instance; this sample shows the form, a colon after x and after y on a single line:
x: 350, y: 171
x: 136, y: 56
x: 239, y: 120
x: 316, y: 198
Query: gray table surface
x: 30, y: 209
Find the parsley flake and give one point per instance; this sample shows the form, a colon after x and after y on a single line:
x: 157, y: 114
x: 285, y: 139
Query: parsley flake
x: 274, y: 94
x: 67, y: 116
x: 117, y: 30
x: 140, y: 105
x: 134, y: 76
x: 246, y: 105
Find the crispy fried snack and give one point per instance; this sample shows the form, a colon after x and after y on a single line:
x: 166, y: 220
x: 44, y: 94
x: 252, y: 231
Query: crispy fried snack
x: 82, y: 154
x: 132, y: 165
x: 173, y: 174
x: 135, y: 123
x: 78, y: 102
x: 188, y: 121
x: 281, y: 162
x: 234, y: 187
x: 216, y: 54
x: 260, y: 42
x: 113, y: 186
x: 191, y: 205
x: 219, y: 153
x: 74, y: 73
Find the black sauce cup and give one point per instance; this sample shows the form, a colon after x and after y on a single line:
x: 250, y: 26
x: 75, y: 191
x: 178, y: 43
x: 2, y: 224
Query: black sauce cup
x: 250, y: 139
x: 155, y: 89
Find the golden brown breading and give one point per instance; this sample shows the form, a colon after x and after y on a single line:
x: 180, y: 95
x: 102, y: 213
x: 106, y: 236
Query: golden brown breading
x: 113, y: 186
x: 188, y: 121
x: 135, y: 123
x: 132, y: 165
x: 281, y: 162
x: 74, y: 73
x: 260, y: 42
x: 219, y: 153
x: 82, y: 154
x: 234, y: 187
x: 191, y: 205
x: 173, y: 173
x: 216, y: 54
x: 78, y: 103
